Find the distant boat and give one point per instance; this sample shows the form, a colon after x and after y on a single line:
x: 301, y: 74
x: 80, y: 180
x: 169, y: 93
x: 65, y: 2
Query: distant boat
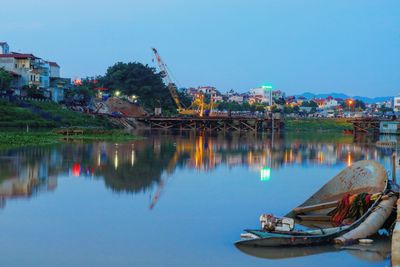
x: 312, y: 216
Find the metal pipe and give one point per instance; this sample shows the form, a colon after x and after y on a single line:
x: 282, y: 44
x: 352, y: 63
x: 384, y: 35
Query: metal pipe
x: 396, y: 240
x: 394, y: 167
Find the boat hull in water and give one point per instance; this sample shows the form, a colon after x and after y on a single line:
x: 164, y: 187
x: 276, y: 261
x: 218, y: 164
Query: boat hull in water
x: 363, y: 176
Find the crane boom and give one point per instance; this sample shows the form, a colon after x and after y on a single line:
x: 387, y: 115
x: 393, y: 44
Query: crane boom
x: 171, y: 85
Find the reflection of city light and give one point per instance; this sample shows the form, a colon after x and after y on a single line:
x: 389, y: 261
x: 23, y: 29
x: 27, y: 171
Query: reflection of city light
x: 250, y: 158
x: 349, y: 160
x: 116, y: 159
x: 132, y: 157
x: 76, y: 169
x: 265, y: 174
x: 320, y: 157
x: 98, y: 159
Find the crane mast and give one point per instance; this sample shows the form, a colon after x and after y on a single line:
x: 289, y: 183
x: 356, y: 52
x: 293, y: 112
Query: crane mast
x: 171, y: 85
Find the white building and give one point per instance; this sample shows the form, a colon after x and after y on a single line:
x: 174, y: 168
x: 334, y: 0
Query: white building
x: 54, y: 70
x: 260, y: 95
x: 210, y: 90
x: 331, y: 103
x: 30, y: 69
x: 396, y: 103
x: 236, y: 98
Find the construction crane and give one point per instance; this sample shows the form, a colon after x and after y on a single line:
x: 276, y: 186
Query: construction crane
x: 198, y: 105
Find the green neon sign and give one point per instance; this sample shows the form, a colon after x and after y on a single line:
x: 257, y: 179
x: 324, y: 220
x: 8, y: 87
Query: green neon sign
x: 267, y: 87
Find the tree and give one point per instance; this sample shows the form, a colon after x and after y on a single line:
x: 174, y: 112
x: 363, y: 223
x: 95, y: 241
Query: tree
x: 288, y: 109
x: 142, y: 81
x: 310, y: 103
x: 32, y: 91
x: 5, y: 79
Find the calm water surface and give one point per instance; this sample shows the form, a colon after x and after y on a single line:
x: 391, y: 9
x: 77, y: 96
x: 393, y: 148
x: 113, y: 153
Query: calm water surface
x: 168, y: 200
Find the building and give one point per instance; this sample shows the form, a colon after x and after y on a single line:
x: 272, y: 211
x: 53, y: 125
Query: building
x: 331, y: 103
x: 396, y: 104
x: 260, y: 95
x: 30, y: 70
x: 236, y: 98
x: 4, y: 48
x: 27, y: 69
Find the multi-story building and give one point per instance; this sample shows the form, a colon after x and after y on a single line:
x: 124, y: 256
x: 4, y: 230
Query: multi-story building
x: 27, y: 69
x: 30, y: 69
x: 261, y: 95
x: 396, y: 104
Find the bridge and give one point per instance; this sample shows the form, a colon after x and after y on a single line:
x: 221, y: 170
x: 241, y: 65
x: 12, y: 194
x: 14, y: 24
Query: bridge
x: 214, y: 124
x: 366, y: 125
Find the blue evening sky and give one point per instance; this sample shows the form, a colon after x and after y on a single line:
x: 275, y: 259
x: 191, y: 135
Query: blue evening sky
x: 297, y: 45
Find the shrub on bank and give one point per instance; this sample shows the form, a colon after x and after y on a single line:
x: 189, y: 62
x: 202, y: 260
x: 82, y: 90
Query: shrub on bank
x: 317, y: 124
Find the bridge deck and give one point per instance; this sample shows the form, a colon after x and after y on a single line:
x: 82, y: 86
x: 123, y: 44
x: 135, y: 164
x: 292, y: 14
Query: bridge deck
x: 245, y: 124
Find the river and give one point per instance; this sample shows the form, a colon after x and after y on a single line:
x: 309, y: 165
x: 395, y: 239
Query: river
x: 169, y: 200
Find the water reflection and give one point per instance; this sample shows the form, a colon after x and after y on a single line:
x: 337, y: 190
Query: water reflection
x: 141, y: 166
x: 378, y: 251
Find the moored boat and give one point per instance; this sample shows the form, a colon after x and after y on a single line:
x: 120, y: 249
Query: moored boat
x: 322, y: 217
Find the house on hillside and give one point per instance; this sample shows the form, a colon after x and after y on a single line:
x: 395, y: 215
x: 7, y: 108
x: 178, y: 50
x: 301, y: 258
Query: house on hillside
x: 30, y: 70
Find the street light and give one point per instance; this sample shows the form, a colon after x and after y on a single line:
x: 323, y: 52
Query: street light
x: 117, y: 93
x: 350, y: 102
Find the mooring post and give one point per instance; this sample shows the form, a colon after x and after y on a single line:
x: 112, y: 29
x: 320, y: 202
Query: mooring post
x: 394, y: 167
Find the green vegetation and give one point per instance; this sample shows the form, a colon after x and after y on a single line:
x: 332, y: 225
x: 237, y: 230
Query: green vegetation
x: 19, y: 139
x: 326, y: 137
x: 142, y: 81
x: 14, y: 116
x: 45, y: 114
x: 96, y: 134
x: 316, y: 125
x: 5, y: 79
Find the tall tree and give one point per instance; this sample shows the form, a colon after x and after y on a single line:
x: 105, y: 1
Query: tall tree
x: 5, y: 79
x: 142, y: 81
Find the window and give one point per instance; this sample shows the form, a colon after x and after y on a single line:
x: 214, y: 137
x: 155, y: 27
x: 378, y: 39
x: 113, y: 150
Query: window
x: 16, y: 66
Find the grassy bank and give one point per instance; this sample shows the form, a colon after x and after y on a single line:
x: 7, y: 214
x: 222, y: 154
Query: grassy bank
x: 45, y: 115
x: 19, y: 139
x: 317, y: 125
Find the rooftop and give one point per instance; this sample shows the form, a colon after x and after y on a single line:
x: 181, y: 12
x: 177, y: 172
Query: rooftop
x: 53, y: 64
x: 17, y: 56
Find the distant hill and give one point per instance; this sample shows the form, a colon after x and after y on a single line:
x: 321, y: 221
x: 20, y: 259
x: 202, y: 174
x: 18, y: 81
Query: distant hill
x: 369, y: 100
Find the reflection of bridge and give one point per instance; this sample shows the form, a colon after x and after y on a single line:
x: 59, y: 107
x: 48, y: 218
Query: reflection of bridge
x: 366, y: 125
x: 214, y: 124
x: 142, y: 165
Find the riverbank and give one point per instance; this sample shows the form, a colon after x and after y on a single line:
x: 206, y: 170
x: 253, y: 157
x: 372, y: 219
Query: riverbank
x: 11, y: 139
x: 317, y: 125
x: 37, y: 114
